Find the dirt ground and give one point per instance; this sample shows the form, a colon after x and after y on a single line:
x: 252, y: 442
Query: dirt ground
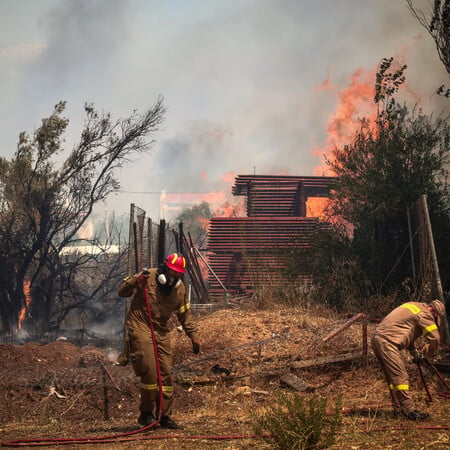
x: 62, y: 391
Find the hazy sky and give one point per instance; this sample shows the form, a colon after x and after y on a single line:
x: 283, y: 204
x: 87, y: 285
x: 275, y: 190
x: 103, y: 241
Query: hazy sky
x: 250, y: 86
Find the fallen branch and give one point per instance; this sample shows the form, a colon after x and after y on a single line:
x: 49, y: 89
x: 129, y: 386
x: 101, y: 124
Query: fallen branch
x: 110, y: 376
x: 325, y: 360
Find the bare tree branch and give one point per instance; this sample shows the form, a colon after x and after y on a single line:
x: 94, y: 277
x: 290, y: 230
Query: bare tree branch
x: 43, y: 207
x: 437, y: 22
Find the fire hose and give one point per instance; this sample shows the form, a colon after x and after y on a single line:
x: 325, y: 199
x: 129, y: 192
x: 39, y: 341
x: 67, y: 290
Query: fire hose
x: 111, y: 438
x: 419, y: 367
x: 432, y: 367
x: 128, y: 436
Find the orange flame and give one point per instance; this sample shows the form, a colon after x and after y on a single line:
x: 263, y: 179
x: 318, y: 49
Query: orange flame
x: 204, y: 270
x: 228, y: 177
x: 354, y: 103
x: 28, y: 298
x: 228, y: 209
x: 315, y: 207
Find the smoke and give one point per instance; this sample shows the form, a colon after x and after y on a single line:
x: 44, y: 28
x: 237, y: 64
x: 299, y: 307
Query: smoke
x: 79, y: 51
x: 86, y: 231
x: 240, y: 79
x: 79, y: 34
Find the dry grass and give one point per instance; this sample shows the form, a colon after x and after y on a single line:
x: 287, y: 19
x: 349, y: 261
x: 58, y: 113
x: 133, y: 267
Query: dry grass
x: 256, y: 346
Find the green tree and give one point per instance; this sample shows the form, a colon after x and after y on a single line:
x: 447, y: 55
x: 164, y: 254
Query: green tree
x: 386, y: 168
x: 44, y: 204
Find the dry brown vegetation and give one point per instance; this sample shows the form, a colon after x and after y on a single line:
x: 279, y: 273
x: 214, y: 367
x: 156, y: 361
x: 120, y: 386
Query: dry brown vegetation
x: 60, y: 390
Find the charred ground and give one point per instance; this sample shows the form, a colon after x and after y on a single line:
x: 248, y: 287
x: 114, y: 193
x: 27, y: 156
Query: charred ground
x: 63, y: 390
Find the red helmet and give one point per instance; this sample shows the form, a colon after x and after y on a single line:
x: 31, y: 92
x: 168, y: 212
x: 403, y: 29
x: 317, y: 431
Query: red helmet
x: 176, y: 262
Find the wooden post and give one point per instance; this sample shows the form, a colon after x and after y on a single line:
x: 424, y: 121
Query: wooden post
x: 105, y: 395
x: 161, y: 242
x: 149, y: 242
x: 434, y: 261
x: 180, y: 238
x: 364, y: 340
x: 130, y: 240
x: 437, y: 277
x: 411, y: 248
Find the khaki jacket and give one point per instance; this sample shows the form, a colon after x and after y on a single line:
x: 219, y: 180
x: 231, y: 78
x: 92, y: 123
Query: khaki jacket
x: 408, y: 322
x: 162, y: 306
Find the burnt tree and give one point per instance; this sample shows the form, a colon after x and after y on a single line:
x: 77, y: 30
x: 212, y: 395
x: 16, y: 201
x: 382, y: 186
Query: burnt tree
x: 44, y: 204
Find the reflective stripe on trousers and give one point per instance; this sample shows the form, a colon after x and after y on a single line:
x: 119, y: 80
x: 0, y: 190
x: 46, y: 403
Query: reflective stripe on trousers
x: 388, y: 355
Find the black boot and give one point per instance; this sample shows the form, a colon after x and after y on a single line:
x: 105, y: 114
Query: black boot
x: 145, y: 419
x: 167, y: 422
x: 417, y: 415
x: 122, y: 360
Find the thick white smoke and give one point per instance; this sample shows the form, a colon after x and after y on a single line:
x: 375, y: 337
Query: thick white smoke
x: 239, y: 78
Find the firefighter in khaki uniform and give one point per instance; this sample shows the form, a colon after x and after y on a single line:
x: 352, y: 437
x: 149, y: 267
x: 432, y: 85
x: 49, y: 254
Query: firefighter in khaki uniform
x: 398, y: 331
x: 166, y: 295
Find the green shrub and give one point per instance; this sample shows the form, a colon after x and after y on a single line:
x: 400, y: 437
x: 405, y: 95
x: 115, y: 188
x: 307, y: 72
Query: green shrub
x: 299, y: 423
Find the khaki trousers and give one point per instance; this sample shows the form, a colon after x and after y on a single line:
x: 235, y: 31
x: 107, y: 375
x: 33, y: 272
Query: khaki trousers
x: 388, y: 354
x: 144, y: 365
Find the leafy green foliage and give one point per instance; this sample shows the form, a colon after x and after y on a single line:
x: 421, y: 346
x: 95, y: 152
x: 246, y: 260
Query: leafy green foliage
x: 388, y: 82
x: 294, y: 422
x: 389, y: 166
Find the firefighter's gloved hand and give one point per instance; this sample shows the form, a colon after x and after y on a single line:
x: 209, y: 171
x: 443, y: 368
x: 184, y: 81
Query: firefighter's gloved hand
x: 196, y: 347
x: 418, y: 358
x: 142, y: 277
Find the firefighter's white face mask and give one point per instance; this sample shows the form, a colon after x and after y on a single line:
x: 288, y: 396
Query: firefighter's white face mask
x: 168, y: 280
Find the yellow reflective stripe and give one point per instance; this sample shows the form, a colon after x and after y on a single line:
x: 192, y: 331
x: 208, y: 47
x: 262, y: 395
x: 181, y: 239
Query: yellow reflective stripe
x: 399, y: 387
x: 413, y: 308
x: 184, y: 308
x: 154, y: 387
x: 429, y: 328
x: 175, y: 257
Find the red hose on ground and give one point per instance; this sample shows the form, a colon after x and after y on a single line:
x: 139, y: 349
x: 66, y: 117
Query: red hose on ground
x: 110, y: 438
x: 419, y: 368
x: 123, y: 437
x: 47, y: 442
x: 155, y: 351
x: 126, y: 437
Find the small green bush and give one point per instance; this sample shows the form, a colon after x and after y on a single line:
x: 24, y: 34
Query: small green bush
x: 299, y: 423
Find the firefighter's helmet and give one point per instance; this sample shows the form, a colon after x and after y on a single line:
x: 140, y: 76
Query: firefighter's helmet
x: 438, y: 306
x: 176, y: 262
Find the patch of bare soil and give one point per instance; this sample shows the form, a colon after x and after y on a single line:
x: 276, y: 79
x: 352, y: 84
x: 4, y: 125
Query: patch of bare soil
x: 60, y: 390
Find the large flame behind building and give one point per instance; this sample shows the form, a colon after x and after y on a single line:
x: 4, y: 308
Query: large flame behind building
x: 356, y: 101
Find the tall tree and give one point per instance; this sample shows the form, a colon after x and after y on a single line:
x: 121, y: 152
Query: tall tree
x: 386, y: 168
x: 44, y: 204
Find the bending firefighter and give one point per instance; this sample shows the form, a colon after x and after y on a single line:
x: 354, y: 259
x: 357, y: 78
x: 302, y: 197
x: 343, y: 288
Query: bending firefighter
x: 166, y: 294
x: 398, y: 331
